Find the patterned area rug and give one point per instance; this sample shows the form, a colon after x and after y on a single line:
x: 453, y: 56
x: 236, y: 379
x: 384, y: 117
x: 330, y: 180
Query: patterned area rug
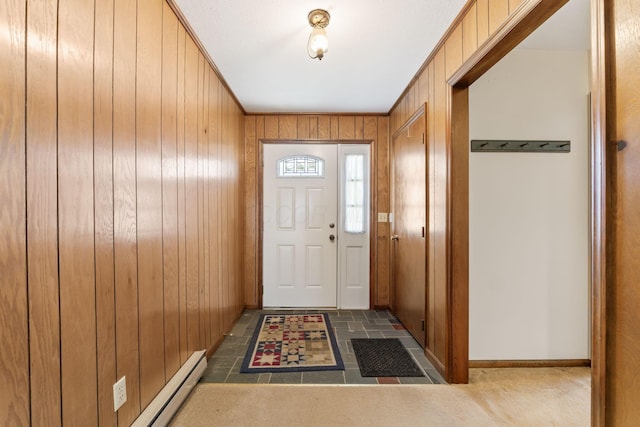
x: 292, y: 343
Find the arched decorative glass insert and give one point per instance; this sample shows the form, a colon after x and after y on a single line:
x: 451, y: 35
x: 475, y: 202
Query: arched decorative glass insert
x: 300, y: 166
x: 354, y: 193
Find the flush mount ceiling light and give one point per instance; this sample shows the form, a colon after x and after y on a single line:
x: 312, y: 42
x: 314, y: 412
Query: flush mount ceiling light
x: 318, y: 43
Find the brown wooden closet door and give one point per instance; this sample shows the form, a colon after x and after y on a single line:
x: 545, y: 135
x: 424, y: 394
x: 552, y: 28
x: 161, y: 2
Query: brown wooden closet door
x: 409, y: 222
x: 623, y: 282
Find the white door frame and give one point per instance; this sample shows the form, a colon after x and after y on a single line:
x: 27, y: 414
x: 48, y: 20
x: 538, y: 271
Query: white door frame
x: 372, y: 213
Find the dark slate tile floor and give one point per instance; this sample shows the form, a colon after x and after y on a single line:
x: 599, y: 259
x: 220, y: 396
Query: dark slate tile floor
x: 224, y: 365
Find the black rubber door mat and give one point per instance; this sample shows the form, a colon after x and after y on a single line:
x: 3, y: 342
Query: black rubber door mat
x: 385, y: 357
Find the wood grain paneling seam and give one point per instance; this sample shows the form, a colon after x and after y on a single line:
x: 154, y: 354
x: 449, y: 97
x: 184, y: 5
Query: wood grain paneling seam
x: 103, y: 207
x: 124, y: 189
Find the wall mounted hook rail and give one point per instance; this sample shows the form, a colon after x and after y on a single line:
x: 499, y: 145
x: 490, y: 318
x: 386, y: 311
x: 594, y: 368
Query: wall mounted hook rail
x: 526, y: 146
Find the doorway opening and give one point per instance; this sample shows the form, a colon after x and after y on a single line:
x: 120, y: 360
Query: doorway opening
x: 511, y: 34
x: 529, y: 211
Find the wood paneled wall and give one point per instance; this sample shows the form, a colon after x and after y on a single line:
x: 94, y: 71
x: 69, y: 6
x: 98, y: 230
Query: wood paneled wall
x: 478, y: 38
x: 120, y: 196
x: 317, y: 128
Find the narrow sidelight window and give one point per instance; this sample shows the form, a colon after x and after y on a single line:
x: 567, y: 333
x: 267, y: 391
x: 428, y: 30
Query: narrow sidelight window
x: 354, y: 193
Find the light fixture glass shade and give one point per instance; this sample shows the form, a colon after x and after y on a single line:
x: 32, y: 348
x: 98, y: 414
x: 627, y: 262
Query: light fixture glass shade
x: 318, y: 43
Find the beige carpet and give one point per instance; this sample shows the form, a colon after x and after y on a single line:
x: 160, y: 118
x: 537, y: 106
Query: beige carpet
x: 494, y: 397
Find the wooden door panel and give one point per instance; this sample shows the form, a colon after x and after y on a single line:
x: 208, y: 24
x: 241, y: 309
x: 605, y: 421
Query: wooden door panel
x: 409, y: 211
x: 623, y: 296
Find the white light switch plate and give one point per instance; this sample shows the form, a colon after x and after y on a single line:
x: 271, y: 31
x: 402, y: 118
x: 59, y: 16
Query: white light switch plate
x: 382, y: 217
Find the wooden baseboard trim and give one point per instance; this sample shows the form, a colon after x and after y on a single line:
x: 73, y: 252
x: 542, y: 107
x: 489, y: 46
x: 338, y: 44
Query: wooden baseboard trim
x: 252, y: 307
x: 552, y: 363
x: 214, y: 347
x: 435, y: 362
x: 381, y: 307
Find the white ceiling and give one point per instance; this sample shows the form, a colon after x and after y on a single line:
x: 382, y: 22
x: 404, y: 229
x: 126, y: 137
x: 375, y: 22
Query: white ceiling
x: 375, y: 49
x: 567, y: 29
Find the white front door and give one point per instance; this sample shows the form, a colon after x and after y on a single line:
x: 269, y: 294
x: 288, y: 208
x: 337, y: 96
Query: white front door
x: 299, y: 219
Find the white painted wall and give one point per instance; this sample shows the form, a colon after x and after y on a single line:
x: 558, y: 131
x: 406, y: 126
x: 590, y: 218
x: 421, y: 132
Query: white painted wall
x: 528, y: 235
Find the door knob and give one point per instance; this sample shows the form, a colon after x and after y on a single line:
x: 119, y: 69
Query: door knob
x: 332, y: 225
x: 395, y: 237
x: 332, y: 237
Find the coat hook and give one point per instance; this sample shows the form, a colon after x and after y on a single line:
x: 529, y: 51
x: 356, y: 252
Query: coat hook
x: 484, y: 145
x: 562, y: 145
x: 504, y: 145
x: 544, y: 145
x: 524, y: 145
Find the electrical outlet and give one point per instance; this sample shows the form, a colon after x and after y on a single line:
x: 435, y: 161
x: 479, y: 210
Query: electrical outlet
x: 119, y: 393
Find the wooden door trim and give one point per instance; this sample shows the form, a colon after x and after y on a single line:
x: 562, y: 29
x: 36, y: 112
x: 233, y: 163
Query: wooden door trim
x: 457, y: 348
x: 524, y: 21
x: 598, y: 167
x: 415, y: 116
x: 373, y: 188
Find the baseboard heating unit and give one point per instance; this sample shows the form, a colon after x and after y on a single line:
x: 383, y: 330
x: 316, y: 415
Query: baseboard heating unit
x: 168, y: 401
